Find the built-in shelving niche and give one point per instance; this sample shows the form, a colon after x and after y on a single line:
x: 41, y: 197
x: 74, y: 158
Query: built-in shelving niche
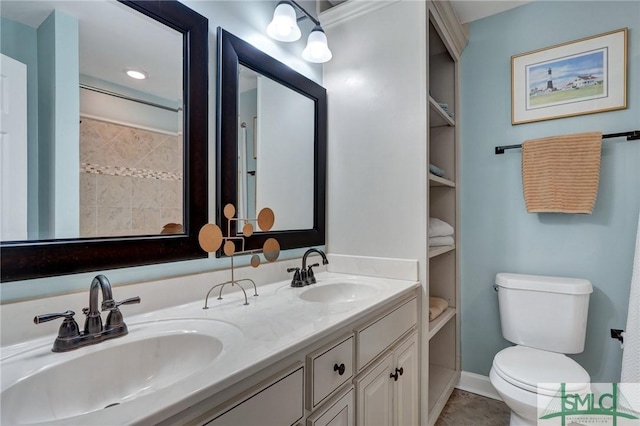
x: 442, y: 367
x: 443, y: 335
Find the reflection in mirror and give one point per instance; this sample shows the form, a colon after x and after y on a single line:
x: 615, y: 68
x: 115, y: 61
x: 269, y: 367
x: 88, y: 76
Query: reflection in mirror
x: 275, y: 151
x: 103, y: 150
x: 278, y: 159
x: 103, y: 174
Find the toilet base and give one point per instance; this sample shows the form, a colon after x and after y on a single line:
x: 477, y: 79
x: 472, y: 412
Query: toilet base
x: 522, y: 403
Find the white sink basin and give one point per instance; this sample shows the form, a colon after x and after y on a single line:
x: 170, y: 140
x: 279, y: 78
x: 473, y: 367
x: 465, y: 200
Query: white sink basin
x: 339, y: 292
x: 152, y: 357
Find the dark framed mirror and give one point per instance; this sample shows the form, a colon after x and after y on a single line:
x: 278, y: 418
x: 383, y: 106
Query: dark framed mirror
x: 48, y: 254
x: 271, y: 145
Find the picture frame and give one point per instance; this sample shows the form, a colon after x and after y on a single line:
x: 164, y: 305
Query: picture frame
x: 584, y: 76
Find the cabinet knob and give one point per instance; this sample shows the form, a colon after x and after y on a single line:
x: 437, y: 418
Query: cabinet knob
x: 399, y: 372
x: 339, y: 368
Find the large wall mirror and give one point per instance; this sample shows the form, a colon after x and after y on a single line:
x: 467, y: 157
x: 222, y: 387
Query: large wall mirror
x: 271, y: 151
x: 103, y: 169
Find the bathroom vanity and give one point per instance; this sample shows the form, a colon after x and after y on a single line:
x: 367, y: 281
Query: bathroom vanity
x: 370, y: 370
x: 340, y: 351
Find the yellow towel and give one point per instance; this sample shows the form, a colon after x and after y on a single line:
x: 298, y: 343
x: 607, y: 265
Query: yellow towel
x: 560, y: 174
x: 437, y: 305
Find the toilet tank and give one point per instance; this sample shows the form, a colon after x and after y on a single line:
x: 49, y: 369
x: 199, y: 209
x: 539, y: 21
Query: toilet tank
x: 548, y: 313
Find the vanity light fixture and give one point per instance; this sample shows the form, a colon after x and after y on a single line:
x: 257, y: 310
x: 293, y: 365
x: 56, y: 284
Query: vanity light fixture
x: 284, y: 27
x: 137, y: 74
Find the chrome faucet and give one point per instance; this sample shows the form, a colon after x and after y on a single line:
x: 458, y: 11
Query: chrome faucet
x: 305, y: 276
x: 69, y: 335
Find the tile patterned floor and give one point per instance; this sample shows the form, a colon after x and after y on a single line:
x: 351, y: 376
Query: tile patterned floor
x: 469, y: 409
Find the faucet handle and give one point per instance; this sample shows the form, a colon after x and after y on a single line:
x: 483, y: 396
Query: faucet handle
x: 108, y: 305
x: 129, y: 301
x: 68, y: 328
x: 115, y: 319
x: 297, y: 279
x: 311, y: 278
x: 38, y: 319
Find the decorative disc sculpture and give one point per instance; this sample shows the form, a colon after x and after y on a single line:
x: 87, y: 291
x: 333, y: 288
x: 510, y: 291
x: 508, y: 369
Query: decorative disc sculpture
x: 211, y: 239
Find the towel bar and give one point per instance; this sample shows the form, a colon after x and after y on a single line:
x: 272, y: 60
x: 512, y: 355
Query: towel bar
x: 631, y: 136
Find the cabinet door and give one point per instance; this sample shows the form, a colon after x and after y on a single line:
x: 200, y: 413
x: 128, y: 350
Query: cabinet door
x: 339, y: 412
x: 374, y: 406
x: 406, y: 406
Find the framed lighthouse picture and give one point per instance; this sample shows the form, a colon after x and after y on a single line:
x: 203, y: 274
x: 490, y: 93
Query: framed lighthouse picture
x: 584, y: 76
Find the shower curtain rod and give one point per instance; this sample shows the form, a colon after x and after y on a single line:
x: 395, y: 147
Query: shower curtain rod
x: 128, y: 98
x: 631, y: 136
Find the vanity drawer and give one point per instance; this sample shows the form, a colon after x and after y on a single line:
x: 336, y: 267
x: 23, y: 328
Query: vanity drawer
x: 276, y: 402
x: 378, y: 335
x: 329, y: 368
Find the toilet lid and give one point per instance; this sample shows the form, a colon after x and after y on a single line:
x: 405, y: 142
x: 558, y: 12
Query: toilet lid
x: 530, y: 369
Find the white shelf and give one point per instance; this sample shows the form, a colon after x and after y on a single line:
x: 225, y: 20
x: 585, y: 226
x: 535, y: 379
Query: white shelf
x: 437, y: 251
x: 442, y: 380
x: 439, y: 181
x: 437, y: 116
x: 437, y: 324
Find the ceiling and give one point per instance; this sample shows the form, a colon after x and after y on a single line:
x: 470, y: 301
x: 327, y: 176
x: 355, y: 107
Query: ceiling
x: 112, y: 38
x: 471, y: 10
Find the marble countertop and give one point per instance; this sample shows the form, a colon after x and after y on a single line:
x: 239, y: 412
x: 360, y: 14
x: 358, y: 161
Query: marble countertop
x: 275, y: 324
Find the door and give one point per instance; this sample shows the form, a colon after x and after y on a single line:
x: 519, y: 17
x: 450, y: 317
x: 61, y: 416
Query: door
x: 374, y: 395
x: 13, y: 149
x: 406, y: 407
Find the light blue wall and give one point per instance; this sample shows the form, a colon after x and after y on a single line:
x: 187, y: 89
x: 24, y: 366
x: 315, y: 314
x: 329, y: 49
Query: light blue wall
x: 58, y: 126
x: 20, y: 42
x: 247, y: 20
x: 497, y: 232
x: 67, y: 127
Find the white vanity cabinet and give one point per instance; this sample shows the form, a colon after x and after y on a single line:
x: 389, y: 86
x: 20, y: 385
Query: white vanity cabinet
x: 387, y: 391
x: 332, y: 381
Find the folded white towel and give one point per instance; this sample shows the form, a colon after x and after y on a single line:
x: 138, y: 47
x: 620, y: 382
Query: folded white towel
x: 441, y: 241
x: 439, y: 228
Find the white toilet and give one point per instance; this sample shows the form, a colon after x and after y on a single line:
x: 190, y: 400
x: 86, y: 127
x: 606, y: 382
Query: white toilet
x: 546, y: 317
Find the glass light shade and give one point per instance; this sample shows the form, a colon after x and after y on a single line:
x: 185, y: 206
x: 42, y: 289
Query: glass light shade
x: 317, y: 49
x: 284, y: 25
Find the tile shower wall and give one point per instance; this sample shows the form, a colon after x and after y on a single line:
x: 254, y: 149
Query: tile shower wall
x: 130, y: 180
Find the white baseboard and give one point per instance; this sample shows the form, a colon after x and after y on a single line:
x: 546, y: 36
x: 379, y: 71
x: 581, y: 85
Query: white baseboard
x: 478, y: 384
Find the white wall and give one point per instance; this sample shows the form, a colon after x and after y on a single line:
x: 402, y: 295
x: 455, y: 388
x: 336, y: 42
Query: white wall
x: 284, y: 167
x: 377, y: 134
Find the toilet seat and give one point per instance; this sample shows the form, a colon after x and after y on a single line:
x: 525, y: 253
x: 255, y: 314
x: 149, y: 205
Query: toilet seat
x: 529, y: 369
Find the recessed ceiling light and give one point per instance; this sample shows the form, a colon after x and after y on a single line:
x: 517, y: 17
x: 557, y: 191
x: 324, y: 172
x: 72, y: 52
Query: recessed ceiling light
x: 137, y: 74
